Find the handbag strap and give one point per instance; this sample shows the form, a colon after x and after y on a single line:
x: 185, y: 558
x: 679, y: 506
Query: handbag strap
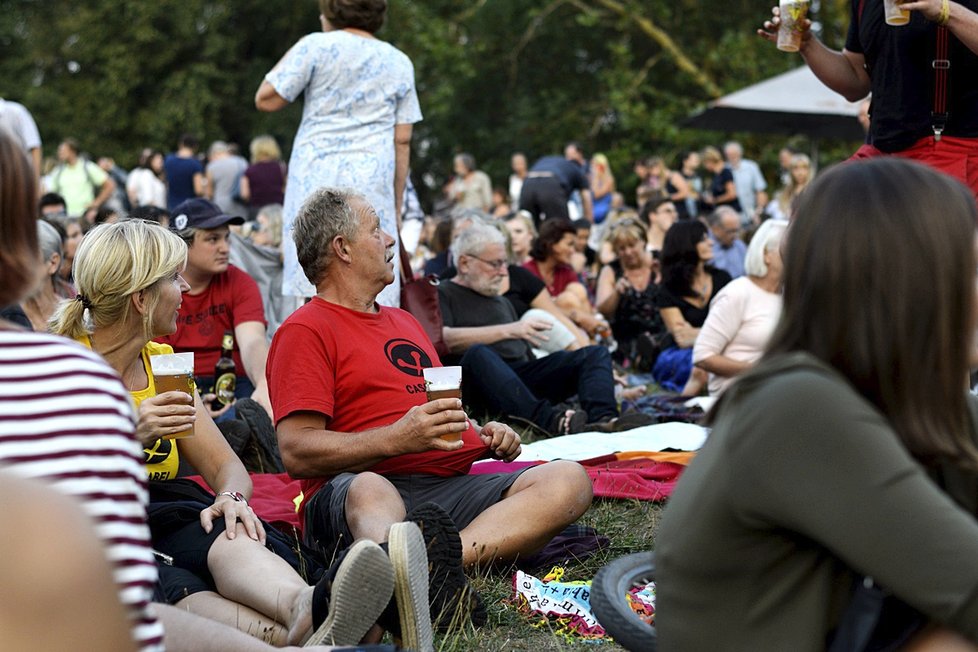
x: 407, y: 274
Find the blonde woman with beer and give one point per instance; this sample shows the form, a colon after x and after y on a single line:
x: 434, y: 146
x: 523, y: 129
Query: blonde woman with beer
x: 129, y: 280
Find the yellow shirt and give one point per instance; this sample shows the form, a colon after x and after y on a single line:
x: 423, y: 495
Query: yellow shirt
x: 162, y: 459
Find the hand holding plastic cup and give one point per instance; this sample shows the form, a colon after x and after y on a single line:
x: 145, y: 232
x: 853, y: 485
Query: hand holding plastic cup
x: 894, y: 13
x: 444, y: 382
x: 793, y: 14
x: 174, y: 372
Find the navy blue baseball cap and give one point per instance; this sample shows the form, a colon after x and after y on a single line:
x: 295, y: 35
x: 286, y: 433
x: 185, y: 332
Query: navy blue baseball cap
x: 199, y: 213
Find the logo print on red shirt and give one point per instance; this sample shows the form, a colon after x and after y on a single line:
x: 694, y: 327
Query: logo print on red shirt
x: 407, y: 357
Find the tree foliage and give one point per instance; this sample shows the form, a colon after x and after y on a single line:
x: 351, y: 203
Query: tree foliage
x: 494, y: 76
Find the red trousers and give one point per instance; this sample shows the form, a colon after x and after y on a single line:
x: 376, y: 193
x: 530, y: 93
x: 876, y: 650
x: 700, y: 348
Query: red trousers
x: 957, y: 157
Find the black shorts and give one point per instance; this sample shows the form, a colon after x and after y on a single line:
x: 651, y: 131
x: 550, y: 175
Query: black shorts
x: 463, y: 496
x: 184, y: 570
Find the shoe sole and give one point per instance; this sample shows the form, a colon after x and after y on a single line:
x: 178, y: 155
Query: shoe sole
x: 406, y: 549
x: 451, y: 598
x: 361, y: 590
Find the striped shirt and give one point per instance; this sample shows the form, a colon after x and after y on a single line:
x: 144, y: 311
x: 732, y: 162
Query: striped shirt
x: 66, y: 419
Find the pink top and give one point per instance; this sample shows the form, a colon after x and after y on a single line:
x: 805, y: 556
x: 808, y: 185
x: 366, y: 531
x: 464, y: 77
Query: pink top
x: 741, y: 320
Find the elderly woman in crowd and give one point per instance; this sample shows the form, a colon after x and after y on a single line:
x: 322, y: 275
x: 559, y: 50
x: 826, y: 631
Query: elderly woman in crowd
x: 627, y: 291
x: 42, y: 302
x: 360, y: 106
x: 834, y: 505
x: 689, y: 283
x: 130, y: 288
x: 550, y: 261
x: 744, y: 313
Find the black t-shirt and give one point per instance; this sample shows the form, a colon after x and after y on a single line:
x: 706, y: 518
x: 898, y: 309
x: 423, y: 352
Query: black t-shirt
x: 524, y: 286
x: 899, y: 61
x: 462, y: 307
x: 694, y: 315
x: 719, y: 187
x: 570, y: 174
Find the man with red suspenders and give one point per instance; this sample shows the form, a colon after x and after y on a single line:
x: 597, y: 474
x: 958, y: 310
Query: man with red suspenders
x: 923, y: 77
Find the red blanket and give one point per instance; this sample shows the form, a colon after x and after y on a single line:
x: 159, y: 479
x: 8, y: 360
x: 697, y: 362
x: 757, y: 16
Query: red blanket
x: 634, y: 475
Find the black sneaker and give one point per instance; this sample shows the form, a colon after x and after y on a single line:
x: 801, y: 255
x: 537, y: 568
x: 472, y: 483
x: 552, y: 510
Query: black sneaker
x: 452, y: 600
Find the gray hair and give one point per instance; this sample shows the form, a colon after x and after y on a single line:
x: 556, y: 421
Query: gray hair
x: 467, y: 160
x: 767, y: 237
x: 272, y: 212
x: 217, y: 147
x: 716, y: 217
x: 733, y: 144
x: 49, y: 240
x: 474, y: 239
x: 326, y: 214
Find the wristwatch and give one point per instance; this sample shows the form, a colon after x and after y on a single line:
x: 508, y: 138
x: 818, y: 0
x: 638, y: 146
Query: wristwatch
x: 236, y: 496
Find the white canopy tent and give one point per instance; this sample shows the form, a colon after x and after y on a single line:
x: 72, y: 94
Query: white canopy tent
x: 795, y: 102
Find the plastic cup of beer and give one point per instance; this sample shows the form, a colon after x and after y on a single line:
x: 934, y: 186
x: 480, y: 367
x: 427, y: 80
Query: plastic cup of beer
x: 174, y: 372
x: 444, y: 382
x: 793, y: 13
x: 894, y: 13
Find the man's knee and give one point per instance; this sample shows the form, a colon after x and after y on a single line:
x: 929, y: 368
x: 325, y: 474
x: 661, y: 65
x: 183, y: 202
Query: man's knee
x: 369, y: 490
x: 567, y: 486
x: 598, y: 355
x: 573, y: 489
x: 479, y: 355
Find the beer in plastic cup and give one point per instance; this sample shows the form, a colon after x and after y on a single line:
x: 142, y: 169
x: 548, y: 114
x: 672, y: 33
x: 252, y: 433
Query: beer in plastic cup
x: 895, y: 14
x: 174, y: 372
x: 793, y: 13
x: 444, y: 382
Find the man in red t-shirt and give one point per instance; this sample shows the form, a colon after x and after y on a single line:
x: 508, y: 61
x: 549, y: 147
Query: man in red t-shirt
x: 221, y: 298
x: 353, y: 419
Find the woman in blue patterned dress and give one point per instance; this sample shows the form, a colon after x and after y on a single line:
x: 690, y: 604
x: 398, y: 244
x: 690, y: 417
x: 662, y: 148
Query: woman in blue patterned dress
x: 360, y: 105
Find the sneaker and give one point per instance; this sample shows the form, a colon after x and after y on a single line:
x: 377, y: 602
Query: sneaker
x: 407, y: 552
x: 351, y: 596
x: 452, y: 601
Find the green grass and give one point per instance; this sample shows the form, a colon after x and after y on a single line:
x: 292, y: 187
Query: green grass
x: 629, y: 524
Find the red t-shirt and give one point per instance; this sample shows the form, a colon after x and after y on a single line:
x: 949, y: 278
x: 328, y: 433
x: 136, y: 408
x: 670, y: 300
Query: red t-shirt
x: 362, y: 370
x: 232, y: 298
x: 564, y: 275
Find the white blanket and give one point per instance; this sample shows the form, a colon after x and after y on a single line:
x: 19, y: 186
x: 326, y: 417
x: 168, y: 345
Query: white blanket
x: 585, y: 445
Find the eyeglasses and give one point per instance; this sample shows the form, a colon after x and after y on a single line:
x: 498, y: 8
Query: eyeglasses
x: 495, y: 264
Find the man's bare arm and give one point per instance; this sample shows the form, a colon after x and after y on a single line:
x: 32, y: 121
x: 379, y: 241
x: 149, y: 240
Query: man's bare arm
x: 309, y: 449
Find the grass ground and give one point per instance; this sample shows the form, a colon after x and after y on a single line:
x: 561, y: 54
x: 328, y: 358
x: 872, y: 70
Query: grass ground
x: 630, y: 525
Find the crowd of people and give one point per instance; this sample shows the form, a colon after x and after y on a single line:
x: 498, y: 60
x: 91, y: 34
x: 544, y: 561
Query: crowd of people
x: 838, y: 370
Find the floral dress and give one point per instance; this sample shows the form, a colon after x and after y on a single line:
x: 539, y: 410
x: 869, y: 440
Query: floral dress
x: 356, y: 90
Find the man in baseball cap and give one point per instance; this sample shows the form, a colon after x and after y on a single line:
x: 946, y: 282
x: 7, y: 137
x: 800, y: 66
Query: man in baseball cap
x: 221, y: 298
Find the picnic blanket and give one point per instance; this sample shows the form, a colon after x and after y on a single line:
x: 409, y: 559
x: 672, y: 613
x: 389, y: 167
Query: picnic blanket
x: 631, y: 464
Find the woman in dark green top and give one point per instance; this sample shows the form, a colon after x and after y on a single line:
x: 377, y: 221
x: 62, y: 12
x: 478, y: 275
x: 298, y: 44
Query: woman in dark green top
x: 850, y: 451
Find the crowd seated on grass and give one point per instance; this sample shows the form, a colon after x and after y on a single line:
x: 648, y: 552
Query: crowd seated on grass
x: 581, y: 289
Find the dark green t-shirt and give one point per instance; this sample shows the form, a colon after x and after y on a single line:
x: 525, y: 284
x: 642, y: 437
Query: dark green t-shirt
x: 801, y: 488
